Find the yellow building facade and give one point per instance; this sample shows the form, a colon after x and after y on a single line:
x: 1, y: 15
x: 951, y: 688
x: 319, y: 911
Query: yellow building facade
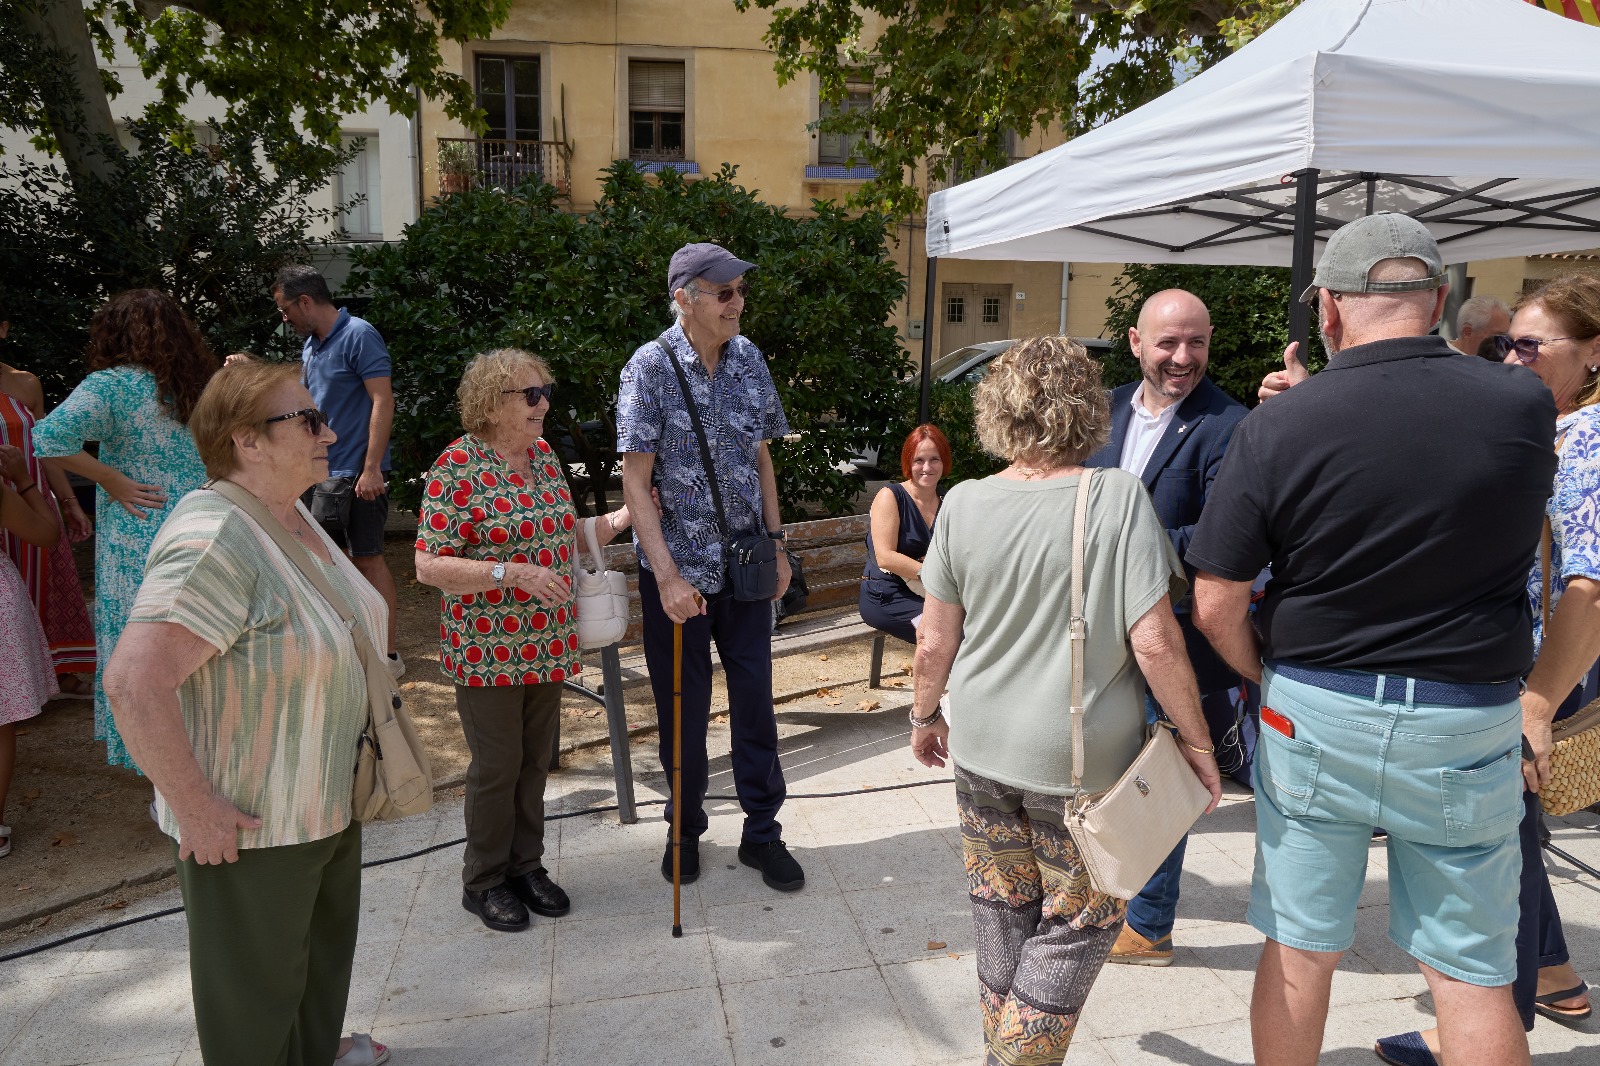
x: 689, y: 84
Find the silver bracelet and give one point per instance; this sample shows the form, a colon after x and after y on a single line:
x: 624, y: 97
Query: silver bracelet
x: 610, y: 524
x: 923, y: 723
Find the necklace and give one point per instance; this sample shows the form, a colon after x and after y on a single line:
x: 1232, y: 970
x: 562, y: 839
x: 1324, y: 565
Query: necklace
x: 1030, y: 472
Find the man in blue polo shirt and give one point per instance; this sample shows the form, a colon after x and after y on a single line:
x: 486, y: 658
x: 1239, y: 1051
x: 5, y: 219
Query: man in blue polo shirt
x: 346, y: 367
x: 683, y: 576
x: 1400, y: 524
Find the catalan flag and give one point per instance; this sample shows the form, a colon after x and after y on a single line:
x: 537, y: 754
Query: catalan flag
x: 1583, y: 10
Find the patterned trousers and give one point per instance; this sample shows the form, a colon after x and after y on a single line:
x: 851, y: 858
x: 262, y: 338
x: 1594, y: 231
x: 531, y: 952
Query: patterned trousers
x: 1042, y: 931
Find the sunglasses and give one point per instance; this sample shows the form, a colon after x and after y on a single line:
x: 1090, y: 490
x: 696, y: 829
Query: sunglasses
x: 725, y: 295
x: 534, y: 393
x: 1526, y: 348
x: 315, y: 419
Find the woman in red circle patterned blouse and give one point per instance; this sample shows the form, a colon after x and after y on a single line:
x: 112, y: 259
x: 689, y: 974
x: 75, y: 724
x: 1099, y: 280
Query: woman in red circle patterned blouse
x: 496, y: 536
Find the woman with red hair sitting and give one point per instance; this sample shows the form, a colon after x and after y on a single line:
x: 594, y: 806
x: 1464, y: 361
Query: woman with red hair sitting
x: 903, y: 514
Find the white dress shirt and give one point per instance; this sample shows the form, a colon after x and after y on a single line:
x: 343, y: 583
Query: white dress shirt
x: 1144, y: 433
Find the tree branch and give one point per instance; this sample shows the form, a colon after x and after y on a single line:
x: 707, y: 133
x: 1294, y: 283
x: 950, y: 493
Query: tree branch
x: 80, y: 120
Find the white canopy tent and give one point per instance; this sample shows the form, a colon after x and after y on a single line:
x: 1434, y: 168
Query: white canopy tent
x: 1481, y: 118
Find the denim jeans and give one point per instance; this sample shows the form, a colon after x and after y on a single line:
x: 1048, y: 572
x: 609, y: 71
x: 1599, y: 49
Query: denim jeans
x: 1154, y: 910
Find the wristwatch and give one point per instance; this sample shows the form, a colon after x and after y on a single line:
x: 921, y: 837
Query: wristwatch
x: 779, y: 535
x: 498, y: 572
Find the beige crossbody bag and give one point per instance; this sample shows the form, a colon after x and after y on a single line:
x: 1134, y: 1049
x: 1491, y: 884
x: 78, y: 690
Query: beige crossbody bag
x: 1124, y: 833
x: 393, y: 778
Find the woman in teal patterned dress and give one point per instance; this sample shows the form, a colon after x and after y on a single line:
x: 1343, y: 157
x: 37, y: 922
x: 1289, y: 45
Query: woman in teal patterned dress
x: 148, y: 367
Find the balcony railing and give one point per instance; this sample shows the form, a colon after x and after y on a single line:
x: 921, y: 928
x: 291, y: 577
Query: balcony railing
x: 503, y: 164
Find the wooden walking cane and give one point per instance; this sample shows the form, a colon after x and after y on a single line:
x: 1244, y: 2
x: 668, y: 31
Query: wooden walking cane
x: 677, y: 775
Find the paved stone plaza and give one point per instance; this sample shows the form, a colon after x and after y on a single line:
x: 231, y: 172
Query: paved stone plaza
x: 841, y: 973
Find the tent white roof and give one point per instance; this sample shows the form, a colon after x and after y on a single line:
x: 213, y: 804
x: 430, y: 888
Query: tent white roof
x: 1480, y: 117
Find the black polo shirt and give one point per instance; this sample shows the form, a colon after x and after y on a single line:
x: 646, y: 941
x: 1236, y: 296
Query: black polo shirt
x: 1398, y: 496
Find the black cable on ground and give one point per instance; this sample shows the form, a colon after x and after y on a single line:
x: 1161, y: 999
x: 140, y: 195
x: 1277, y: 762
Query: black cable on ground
x: 60, y: 941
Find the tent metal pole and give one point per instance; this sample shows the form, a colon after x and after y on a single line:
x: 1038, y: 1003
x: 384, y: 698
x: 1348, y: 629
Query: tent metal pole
x: 929, y: 303
x: 1305, y: 244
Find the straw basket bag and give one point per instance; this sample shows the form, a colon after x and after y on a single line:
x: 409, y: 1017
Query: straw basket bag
x: 1574, y: 764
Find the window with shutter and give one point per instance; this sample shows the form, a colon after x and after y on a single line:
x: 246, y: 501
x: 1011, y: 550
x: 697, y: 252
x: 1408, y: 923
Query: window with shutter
x: 656, y: 105
x: 357, y: 191
x: 841, y: 148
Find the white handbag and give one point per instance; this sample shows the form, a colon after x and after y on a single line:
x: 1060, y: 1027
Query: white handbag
x: 602, y: 598
x: 1124, y: 833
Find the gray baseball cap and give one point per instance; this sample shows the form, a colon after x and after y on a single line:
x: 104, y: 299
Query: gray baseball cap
x: 710, y: 261
x: 1355, y: 248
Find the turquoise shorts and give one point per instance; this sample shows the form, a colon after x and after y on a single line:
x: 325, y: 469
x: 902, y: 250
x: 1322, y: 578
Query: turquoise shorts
x: 1445, y: 782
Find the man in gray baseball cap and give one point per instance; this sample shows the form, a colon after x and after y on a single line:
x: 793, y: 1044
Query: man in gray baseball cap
x: 683, y: 570
x: 1399, y: 523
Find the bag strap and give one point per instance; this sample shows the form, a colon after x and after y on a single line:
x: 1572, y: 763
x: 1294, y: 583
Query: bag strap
x: 298, y: 554
x: 699, y: 433
x: 1078, y: 625
x: 593, y: 543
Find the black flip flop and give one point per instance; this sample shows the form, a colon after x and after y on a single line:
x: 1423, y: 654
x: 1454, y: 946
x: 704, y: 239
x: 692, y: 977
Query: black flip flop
x: 1546, y: 1005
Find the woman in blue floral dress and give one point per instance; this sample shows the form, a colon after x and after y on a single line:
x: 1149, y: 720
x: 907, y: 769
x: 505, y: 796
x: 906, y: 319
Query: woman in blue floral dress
x: 149, y: 366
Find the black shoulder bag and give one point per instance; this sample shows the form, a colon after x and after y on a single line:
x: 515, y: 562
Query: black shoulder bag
x: 751, y: 558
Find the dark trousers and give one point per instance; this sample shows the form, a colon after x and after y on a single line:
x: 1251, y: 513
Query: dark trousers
x: 1540, y: 938
x: 272, y: 941
x: 1154, y: 910
x: 743, y: 632
x: 510, y: 731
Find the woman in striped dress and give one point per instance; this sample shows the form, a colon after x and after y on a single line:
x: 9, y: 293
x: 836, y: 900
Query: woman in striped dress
x: 48, y: 574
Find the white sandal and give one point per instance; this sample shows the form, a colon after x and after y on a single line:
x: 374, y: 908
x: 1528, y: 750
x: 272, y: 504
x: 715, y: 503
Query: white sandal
x: 5, y: 834
x: 364, y: 1051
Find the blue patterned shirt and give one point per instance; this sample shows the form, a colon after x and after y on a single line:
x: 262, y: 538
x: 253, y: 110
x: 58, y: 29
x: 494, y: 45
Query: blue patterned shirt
x: 1574, y: 511
x: 739, y: 409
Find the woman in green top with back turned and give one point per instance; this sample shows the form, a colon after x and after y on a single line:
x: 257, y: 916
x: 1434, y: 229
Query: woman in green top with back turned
x: 995, y: 629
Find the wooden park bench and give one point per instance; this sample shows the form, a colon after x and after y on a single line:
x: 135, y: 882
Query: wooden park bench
x: 832, y: 553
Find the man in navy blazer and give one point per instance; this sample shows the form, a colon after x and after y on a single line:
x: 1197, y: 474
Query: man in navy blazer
x: 1170, y: 428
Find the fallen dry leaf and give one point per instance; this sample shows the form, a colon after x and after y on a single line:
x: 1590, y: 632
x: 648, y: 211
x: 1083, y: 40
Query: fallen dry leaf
x: 822, y: 658
x: 23, y: 888
x: 936, y: 945
x: 894, y: 682
x: 835, y: 703
x: 867, y: 705
x: 906, y: 665
x: 953, y: 955
x: 824, y: 677
x: 35, y: 793
x: 22, y: 731
x: 824, y: 693
x: 102, y: 795
x: 64, y: 840
x: 116, y: 905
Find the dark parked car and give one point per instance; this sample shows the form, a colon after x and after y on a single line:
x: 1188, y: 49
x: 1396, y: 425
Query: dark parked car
x: 968, y: 365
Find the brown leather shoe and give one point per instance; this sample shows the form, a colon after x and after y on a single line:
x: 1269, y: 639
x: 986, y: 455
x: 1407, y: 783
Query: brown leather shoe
x: 1135, y: 950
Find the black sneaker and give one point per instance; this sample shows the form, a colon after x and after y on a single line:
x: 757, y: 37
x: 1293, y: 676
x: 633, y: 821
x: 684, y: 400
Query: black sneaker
x: 539, y: 894
x: 497, y: 907
x: 777, y: 866
x: 688, y: 865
